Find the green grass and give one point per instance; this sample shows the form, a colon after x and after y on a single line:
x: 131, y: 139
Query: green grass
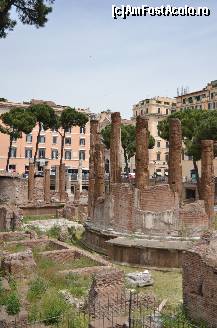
x: 15, y: 248
x: 29, y: 218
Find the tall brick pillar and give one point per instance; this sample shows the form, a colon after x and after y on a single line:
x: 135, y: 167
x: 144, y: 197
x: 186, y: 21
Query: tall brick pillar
x: 142, y: 158
x: 207, y: 178
x: 47, y: 185
x: 175, y: 156
x: 115, y: 148
x: 31, y: 181
x: 62, y: 182
x: 94, y: 139
x: 99, y: 165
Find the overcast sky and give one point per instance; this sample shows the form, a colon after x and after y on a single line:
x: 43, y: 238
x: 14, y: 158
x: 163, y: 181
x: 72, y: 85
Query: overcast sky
x: 84, y: 58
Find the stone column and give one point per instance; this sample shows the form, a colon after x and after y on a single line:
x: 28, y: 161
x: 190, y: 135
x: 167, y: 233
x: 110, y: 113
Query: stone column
x: 62, y: 183
x: 175, y: 156
x: 31, y: 181
x: 47, y: 185
x: 77, y: 193
x: 207, y: 185
x: 94, y: 139
x: 142, y: 157
x: 80, y: 175
x: 115, y: 148
x: 68, y: 184
x: 99, y: 165
x: 57, y: 178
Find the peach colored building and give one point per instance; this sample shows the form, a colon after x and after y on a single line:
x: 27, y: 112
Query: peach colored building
x: 77, y: 144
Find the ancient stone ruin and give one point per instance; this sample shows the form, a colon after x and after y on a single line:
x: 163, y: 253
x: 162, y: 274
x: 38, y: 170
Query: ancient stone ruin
x: 200, y: 280
x: 146, y: 212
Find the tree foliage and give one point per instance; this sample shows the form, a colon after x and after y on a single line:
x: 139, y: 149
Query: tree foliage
x: 128, y: 141
x: 45, y: 118
x: 14, y: 122
x: 68, y: 118
x: 30, y: 12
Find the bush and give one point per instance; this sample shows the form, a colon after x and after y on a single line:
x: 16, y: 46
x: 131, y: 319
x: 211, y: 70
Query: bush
x: 37, y: 288
x: 13, y: 304
x: 54, y: 232
x: 53, y: 307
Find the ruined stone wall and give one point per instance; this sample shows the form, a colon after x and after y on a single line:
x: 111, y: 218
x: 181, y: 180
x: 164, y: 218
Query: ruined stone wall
x: 199, y: 289
x: 13, y: 190
x: 193, y: 215
x: 62, y: 256
x: 127, y: 209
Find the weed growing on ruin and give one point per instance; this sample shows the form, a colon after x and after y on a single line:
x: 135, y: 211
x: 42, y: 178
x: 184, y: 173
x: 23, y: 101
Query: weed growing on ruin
x: 13, y: 303
x: 29, y: 218
x: 37, y: 288
x: 53, y: 307
x: 54, y: 232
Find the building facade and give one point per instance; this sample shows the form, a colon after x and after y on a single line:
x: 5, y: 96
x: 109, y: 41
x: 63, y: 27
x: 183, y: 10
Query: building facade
x: 201, y: 99
x: 76, y: 147
x: 155, y: 110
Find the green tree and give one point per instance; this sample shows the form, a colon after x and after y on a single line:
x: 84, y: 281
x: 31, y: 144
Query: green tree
x: 31, y: 12
x: 14, y: 122
x: 197, y: 125
x: 45, y: 118
x: 69, y: 117
x: 128, y: 141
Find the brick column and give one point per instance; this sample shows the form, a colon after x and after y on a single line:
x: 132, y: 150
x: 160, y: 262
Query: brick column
x: 142, y: 158
x: 31, y: 181
x: 62, y: 183
x: 175, y: 156
x: 47, y: 185
x: 94, y: 139
x: 207, y: 185
x: 99, y: 167
x: 115, y: 148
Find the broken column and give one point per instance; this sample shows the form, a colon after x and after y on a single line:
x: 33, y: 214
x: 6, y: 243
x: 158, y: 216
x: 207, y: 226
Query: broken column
x: 47, y: 185
x: 115, y: 148
x: 175, y: 156
x: 207, y: 178
x: 68, y: 184
x: 62, y: 182
x: 31, y: 180
x: 77, y: 192
x: 57, y: 178
x: 94, y: 139
x: 80, y: 175
x: 142, y: 158
x: 99, y: 165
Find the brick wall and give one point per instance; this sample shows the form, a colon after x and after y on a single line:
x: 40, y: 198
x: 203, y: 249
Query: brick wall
x: 200, y: 284
x: 193, y: 215
x: 13, y: 190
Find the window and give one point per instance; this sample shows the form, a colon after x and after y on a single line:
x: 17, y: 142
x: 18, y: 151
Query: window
x: 141, y: 112
x: 41, y: 153
x: 41, y: 139
x: 183, y: 101
x: 158, y: 144
x: 67, y: 141
x: 158, y: 156
x: 54, y: 140
x: 68, y: 130
x: 82, y: 142
x: 147, y: 110
x: 28, y: 153
x: 167, y: 157
x: 82, y: 130
x: 13, y: 152
x: 14, y: 140
x: 190, y: 158
x: 68, y: 154
x: 209, y: 105
x: 12, y: 167
x: 167, y: 111
x: 54, y: 131
x: 167, y: 144
x: 136, y: 112
x: 158, y: 110
x: 54, y: 154
x: 82, y: 155
x: 29, y: 138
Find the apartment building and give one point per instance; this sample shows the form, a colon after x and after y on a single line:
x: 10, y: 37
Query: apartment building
x: 200, y: 99
x: 76, y: 148
x: 155, y: 110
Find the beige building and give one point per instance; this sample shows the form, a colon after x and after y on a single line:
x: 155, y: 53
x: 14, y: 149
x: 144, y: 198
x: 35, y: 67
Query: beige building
x: 201, y: 99
x: 155, y: 110
x: 76, y: 148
